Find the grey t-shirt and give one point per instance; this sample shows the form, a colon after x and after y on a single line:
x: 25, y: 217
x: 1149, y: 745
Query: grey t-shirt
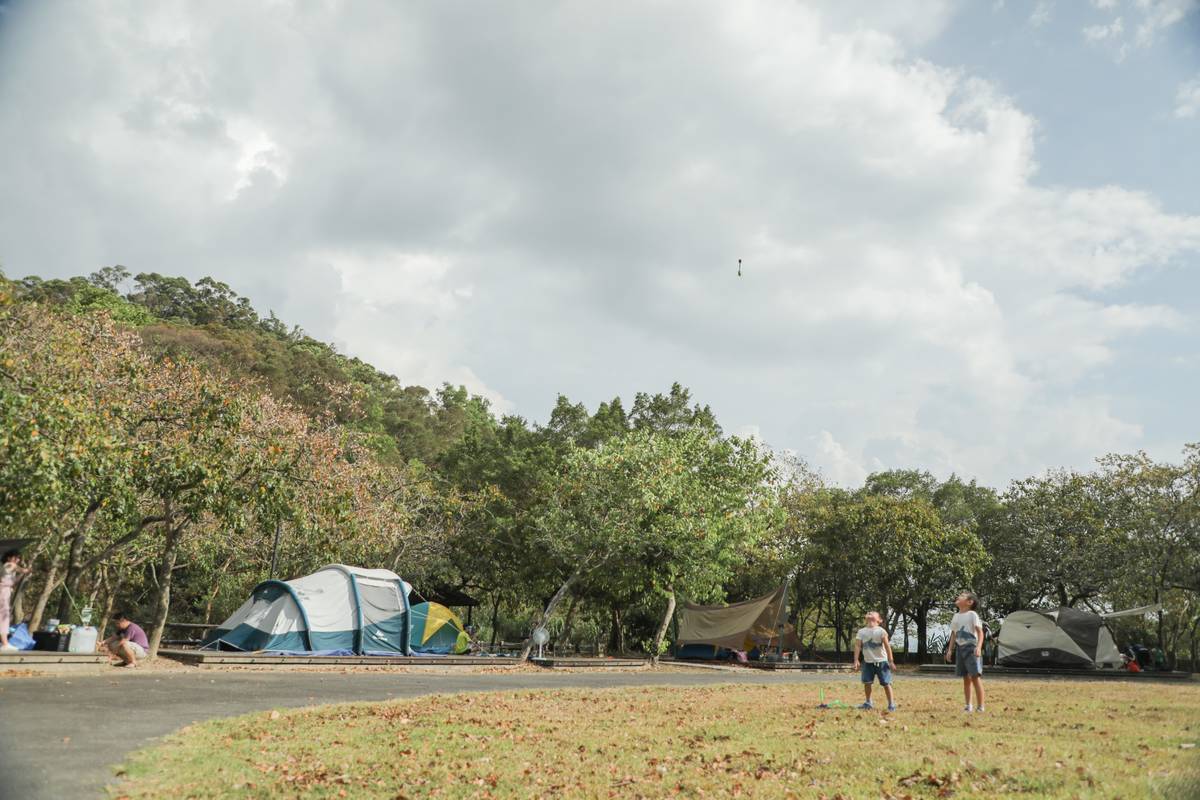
x: 873, y: 651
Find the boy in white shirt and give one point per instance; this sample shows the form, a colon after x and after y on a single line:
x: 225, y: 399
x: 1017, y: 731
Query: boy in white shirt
x: 966, y: 649
x: 873, y: 645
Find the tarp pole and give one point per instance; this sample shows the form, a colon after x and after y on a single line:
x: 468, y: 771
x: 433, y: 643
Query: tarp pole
x: 675, y: 631
x: 780, y: 616
x: 407, y: 620
x: 358, y: 615
x: 275, y: 548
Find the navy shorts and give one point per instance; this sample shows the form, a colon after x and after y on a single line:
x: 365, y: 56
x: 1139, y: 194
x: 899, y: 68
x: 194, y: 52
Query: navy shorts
x: 882, y: 670
x: 966, y: 662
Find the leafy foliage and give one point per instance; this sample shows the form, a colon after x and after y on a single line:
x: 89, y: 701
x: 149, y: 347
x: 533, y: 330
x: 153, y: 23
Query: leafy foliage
x: 157, y: 433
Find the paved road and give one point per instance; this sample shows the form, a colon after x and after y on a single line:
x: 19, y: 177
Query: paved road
x: 60, y: 736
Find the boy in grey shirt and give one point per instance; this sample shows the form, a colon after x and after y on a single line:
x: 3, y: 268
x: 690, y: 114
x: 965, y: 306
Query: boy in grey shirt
x: 875, y: 649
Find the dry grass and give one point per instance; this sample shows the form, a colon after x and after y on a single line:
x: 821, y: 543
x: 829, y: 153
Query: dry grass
x: 1038, y: 740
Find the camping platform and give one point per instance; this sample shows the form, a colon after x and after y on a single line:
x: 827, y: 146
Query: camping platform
x: 47, y: 660
x: 817, y: 666
x: 811, y: 666
x: 577, y: 662
x: 1102, y: 674
x: 225, y: 658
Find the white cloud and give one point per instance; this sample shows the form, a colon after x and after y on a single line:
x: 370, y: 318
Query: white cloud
x: 399, y: 311
x: 563, y: 209
x: 1159, y: 15
x: 1041, y: 13
x: 837, y: 465
x: 1187, y: 99
x: 1150, y: 19
x: 1101, y: 33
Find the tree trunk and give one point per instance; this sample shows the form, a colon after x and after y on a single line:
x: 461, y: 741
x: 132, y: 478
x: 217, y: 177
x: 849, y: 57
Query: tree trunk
x: 548, y: 613
x: 495, y: 615
x: 656, y: 650
x: 74, y: 572
x: 616, y: 634
x: 922, y: 631
x: 837, y: 626
x: 893, y: 618
x: 109, y: 601
x: 794, y: 616
x: 162, y: 603
x: 39, y: 608
x: 907, y: 649
x: 568, y: 621
x: 812, y: 644
x: 208, y: 606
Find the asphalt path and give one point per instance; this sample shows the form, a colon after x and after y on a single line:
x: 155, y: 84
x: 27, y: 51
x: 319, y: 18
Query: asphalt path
x: 62, y: 736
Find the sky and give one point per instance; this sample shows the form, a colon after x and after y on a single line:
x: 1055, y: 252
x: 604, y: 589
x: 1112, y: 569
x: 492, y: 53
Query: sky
x: 970, y: 231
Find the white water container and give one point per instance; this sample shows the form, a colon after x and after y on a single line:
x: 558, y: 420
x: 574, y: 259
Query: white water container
x: 83, y: 639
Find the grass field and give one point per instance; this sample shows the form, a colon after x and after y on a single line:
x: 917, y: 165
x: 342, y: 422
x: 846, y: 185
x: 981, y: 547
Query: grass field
x: 1038, y: 739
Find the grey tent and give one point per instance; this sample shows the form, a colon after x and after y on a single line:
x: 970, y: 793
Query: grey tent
x: 1067, y: 637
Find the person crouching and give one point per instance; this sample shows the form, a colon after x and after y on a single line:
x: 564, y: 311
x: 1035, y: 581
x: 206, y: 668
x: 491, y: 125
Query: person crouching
x: 128, y: 644
x: 875, y: 648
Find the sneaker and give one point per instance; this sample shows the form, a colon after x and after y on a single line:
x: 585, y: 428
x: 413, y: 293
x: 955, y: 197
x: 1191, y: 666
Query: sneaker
x: 979, y: 710
x: 8, y: 648
x: 865, y: 707
x: 967, y: 709
x: 892, y: 707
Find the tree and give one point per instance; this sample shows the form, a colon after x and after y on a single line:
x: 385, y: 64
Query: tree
x: 1052, y: 543
x: 927, y: 532
x: 1154, y: 513
x: 657, y: 513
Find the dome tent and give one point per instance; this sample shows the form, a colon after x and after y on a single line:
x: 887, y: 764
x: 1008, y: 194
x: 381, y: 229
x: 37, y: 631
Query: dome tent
x: 1067, y: 637
x: 337, y: 610
x: 437, y: 629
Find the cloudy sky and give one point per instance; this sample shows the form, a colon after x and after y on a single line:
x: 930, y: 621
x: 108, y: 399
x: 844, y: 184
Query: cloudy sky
x: 970, y: 230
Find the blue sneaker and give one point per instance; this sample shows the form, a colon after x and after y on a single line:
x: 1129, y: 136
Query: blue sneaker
x: 892, y: 707
x: 865, y: 707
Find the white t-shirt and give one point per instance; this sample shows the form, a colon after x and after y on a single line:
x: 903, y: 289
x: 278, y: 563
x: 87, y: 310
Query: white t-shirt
x: 873, y: 651
x: 963, y: 627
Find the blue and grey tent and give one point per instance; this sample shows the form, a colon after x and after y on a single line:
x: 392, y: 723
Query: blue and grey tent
x: 337, y: 610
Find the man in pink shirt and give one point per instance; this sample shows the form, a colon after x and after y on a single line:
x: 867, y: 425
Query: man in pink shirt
x: 128, y: 644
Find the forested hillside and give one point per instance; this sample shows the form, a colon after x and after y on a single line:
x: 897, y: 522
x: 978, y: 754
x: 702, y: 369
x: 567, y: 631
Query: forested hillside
x: 158, y: 436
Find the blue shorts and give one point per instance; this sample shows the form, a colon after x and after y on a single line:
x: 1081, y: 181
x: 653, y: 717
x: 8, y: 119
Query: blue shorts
x: 882, y: 670
x: 966, y: 663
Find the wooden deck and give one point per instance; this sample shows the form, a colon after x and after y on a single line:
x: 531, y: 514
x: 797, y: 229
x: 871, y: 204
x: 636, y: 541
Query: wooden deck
x: 213, y: 658
x: 816, y: 666
x: 218, y: 658
x: 811, y: 666
x: 586, y: 662
x: 1094, y: 674
x: 44, y: 659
